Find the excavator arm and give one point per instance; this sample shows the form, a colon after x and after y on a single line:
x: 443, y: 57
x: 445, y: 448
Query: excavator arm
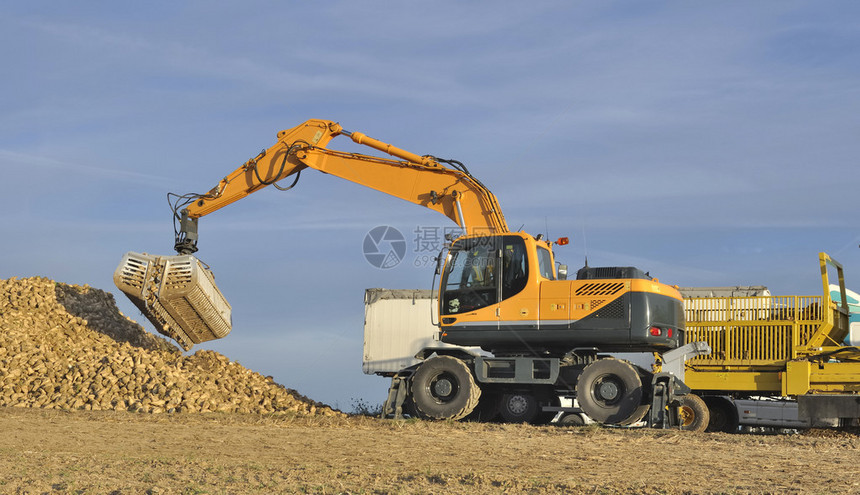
x: 178, y: 293
x: 423, y: 180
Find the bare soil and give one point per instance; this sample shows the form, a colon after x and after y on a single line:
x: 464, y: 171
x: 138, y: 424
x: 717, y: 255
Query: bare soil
x: 47, y: 451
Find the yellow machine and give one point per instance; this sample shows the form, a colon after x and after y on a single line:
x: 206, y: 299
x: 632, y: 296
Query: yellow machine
x: 775, y: 346
x: 499, y: 290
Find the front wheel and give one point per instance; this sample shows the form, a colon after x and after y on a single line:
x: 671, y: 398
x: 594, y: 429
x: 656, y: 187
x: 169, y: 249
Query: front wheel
x: 443, y: 388
x: 693, y: 414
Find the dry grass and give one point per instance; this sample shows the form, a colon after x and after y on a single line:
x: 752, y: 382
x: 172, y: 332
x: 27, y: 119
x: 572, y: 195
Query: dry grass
x: 119, y: 452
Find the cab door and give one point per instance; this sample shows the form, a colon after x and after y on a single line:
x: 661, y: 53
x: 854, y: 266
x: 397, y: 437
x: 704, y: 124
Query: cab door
x: 518, y: 309
x: 554, y: 294
x: 470, y: 287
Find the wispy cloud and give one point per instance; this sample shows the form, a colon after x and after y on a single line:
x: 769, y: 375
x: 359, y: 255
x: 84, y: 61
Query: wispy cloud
x: 25, y: 161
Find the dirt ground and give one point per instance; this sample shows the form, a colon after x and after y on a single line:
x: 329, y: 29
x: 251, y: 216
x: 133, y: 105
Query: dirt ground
x: 48, y: 451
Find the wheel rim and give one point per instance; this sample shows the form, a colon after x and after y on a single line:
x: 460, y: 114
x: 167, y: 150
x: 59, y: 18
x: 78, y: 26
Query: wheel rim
x: 518, y: 405
x: 607, y: 390
x: 443, y: 388
x: 687, y: 415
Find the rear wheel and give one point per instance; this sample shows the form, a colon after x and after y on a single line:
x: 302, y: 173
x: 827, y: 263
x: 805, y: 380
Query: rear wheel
x: 723, y: 414
x: 519, y: 407
x: 444, y: 388
x: 610, y: 391
x: 693, y: 414
x: 572, y: 419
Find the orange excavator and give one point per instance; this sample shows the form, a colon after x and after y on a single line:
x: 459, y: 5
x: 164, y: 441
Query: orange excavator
x: 499, y: 290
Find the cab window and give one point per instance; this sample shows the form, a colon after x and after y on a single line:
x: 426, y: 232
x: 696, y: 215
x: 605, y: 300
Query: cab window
x: 481, y: 271
x: 516, y: 266
x: 545, y: 263
x: 472, y: 276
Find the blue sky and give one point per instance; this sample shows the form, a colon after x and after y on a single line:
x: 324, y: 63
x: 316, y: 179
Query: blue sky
x: 710, y: 143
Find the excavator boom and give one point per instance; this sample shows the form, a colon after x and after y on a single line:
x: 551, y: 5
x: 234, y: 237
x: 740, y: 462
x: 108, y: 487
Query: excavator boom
x: 422, y: 180
x: 197, y: 311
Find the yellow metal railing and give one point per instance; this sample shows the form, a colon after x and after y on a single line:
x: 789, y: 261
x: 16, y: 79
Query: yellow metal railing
x: 767, y: 331
x: 751, y: 331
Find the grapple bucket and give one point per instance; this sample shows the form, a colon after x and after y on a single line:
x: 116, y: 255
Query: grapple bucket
x: 177, y: 294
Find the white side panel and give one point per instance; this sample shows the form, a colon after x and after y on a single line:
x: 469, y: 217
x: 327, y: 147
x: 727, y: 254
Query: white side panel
x: 397, y: 325
x: 395, y: 329
x: 854, y: 334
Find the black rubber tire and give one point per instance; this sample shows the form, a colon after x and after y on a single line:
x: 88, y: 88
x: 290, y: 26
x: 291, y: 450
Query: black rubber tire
x: 443, y: 388
x: 519, y: 407
x: 693, y: 414
x: 637, y: 415
x: 610, y: 391
x: 409, y: 408
x: 572, y: 419
x: 723, y: 415
x: 487, y: 409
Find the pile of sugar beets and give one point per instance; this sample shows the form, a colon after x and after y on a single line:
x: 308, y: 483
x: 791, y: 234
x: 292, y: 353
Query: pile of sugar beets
x: 69, y: 347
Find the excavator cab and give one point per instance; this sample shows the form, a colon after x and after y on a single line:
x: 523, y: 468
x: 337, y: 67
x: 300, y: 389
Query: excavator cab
x: 482, y: 271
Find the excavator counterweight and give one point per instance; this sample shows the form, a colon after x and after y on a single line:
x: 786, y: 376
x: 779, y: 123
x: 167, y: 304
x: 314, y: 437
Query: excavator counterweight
x: 177, y: 294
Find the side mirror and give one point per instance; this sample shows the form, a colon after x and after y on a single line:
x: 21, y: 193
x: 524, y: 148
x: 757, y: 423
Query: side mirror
x: 562, y: 272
